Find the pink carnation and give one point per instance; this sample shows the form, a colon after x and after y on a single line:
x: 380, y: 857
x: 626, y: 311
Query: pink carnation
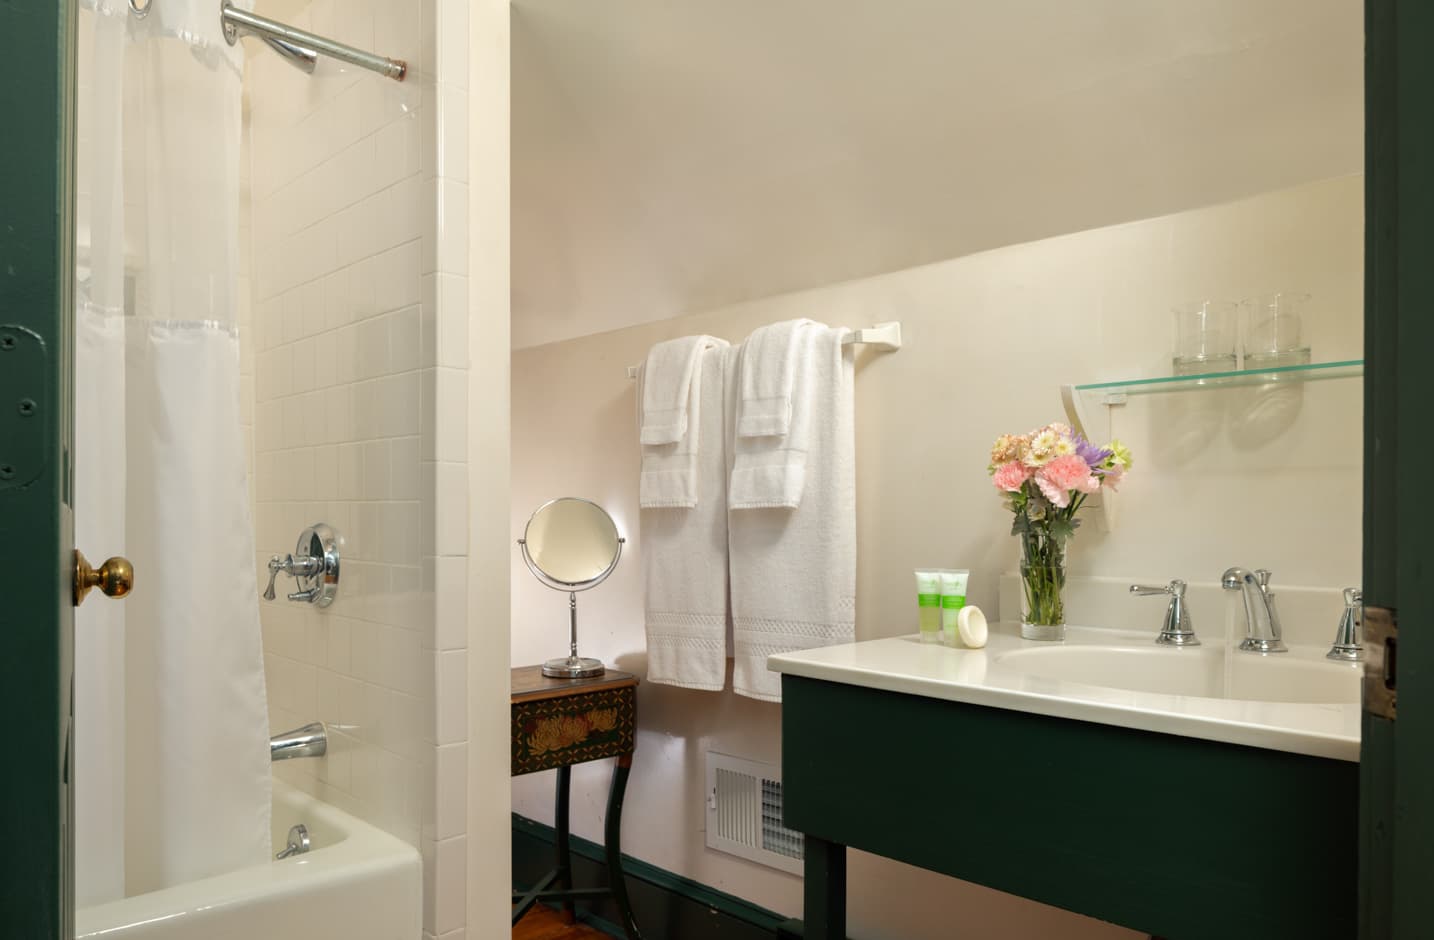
x: 1010, y: 476
x: 1063, y: 474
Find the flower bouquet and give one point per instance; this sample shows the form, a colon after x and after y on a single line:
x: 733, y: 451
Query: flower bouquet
x: 1046, y: 476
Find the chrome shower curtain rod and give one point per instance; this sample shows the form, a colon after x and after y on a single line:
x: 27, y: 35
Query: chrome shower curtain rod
x: 300, y: 47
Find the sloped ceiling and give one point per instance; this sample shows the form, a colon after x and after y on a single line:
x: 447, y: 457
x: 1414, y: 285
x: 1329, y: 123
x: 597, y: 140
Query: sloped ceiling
x: 675, y: 155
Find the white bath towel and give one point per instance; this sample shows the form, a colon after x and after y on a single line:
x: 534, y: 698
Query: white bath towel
x: 669, y: 468
x: 684, y: 551
x: 769, y: 470
x: 767, y: 373
x: 667, y: 379
x: 794, y: 570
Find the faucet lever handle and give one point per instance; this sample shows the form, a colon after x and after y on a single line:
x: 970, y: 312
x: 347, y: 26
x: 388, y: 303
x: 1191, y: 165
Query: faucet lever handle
x: 1176, y: 587
x: 1176, y: 629
x: 276, y: 564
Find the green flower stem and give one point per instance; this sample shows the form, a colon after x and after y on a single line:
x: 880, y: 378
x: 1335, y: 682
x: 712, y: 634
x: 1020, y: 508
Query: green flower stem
x: 1043, y: 560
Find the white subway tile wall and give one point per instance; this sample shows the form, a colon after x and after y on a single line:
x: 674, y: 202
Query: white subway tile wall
x: 354, y: 325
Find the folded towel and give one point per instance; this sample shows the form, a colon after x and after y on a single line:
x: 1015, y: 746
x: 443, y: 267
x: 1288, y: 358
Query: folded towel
x: 667, y: 379
x: 769, y: 471
x: 767, y: 372
x: 794, y: 571
x: 669, y: 469
x: 684, y: 552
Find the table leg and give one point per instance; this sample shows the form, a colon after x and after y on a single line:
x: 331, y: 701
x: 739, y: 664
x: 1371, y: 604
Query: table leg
x: 560, y: 818
x: 824, y: 903
x: 612, y: 841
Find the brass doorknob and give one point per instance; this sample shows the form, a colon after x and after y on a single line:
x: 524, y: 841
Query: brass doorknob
x: 115, y: 578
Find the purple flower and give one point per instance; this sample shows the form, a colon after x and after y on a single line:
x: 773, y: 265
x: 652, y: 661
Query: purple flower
x: 1093, y: 456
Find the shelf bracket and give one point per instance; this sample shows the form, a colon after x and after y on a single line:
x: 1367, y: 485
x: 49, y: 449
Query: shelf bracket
x: 1074, y: 403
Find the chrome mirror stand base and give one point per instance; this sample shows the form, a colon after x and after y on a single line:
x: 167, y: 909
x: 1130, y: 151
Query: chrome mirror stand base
x: 573, y: 667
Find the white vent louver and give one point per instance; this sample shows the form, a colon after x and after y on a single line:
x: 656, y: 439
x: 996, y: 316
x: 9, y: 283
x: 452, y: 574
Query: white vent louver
x: 744, y: 813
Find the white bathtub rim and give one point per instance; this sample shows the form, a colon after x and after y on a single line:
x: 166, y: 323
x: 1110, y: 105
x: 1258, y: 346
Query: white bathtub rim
x: 364, y: 851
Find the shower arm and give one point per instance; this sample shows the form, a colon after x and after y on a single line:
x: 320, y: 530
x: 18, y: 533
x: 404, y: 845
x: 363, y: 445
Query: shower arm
x: 293, y: 43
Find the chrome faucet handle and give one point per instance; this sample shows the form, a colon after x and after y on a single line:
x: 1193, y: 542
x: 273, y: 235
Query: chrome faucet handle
x: 1176, y: 629
x: 314, y: 564
x: 1347, y: 647
x: 276, y: 565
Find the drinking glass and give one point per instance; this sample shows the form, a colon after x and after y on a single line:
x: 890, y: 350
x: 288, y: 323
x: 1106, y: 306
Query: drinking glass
x: 1204, y: 337
x: 1272, y: 330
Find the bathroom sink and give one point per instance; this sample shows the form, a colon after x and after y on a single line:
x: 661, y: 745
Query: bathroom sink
x: 1206, y: 672
x: 1296, y: 701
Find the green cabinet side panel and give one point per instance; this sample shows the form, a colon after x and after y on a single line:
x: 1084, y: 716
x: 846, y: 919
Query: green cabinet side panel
x: 37, y: 41
x: 1178, y: 837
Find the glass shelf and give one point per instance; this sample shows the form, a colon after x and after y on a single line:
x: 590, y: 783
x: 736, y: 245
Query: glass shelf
x: 1309, y: 372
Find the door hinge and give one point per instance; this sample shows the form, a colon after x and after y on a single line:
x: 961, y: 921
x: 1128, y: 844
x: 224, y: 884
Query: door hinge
x: 1381, y: 661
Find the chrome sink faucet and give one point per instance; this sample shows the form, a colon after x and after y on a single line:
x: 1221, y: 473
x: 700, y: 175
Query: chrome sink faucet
x: 1262, y: 621
x: 1176, y: 630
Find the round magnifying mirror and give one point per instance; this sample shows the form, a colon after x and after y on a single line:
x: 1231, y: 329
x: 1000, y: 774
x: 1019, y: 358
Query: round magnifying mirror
x: 571, y: 545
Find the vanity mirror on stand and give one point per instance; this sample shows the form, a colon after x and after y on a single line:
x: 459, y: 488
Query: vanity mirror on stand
x: 571, y: 545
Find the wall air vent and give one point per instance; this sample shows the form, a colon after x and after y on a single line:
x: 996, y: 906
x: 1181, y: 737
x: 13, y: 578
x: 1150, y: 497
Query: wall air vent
x: 744, y: 813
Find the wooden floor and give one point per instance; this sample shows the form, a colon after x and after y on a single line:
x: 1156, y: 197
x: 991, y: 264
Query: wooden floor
x: 544, y: 923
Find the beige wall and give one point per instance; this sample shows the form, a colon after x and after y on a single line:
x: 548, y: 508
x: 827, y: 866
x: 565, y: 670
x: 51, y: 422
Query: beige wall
x: 1247, y: 477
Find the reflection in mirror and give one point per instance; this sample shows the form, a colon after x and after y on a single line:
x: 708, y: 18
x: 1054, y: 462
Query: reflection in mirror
x: 572, y: 541
x: 571, y: 544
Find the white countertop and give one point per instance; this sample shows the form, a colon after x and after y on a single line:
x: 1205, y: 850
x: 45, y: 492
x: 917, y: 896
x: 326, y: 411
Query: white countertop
x: 904, y: 664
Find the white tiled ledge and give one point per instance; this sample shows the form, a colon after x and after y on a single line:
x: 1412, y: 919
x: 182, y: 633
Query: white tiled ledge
x: 903, y: 664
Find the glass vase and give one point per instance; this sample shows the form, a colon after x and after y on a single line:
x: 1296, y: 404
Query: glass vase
x: 1043, y: 611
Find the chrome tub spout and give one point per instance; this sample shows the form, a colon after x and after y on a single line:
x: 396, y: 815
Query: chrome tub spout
x: 312, y: 740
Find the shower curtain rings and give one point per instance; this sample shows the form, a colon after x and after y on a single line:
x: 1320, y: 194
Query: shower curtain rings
x: 140, y: 9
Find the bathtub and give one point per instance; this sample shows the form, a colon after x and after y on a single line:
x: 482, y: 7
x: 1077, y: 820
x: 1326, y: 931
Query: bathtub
x: 356, y: 882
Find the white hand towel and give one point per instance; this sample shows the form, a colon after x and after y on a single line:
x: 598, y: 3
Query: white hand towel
x: 667, y: 378
x: 765, y: 406
x: 669, y: 469
x: 684, y: 552
x: 794, y: 571
x: 770, y: 471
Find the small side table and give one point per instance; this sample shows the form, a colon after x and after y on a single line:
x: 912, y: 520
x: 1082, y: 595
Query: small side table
x: 560, y: 722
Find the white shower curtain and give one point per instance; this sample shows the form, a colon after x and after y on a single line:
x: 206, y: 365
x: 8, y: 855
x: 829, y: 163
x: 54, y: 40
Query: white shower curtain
x: 171, y: 728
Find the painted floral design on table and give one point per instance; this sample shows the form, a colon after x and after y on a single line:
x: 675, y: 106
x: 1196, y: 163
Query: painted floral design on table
x: 564, y: 731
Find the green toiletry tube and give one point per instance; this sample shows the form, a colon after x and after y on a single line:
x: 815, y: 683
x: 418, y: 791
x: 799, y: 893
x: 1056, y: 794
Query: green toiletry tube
x: 928, y: 605
x: 953, y: 598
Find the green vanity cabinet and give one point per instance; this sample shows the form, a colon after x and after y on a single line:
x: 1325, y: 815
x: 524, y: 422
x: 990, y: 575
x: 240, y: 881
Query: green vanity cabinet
x: 1180, y: 837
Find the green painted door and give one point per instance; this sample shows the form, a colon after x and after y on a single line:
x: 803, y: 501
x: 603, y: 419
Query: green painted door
x: 1397, y: 758
x: 37, y: 43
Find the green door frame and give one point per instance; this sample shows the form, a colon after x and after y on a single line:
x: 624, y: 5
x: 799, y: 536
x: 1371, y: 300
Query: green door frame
x: 37, y: 45
x: 1397, y: 757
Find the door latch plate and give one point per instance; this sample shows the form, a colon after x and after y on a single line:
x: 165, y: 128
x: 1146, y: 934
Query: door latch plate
x: 1381, y: 659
